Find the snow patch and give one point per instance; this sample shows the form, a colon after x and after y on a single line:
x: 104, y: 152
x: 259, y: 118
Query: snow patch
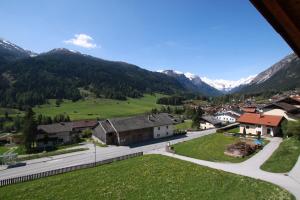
x: 227, y: 85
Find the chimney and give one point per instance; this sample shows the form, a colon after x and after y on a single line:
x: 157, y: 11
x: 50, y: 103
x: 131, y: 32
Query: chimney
x: 260, y: 114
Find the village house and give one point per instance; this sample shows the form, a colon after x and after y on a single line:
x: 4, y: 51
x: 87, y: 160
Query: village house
x: 249, y: 109
x: 209, y: 122
x: 131, y: 130
x: 288, y: 107
x: 227, y: 117
x: 259, y: 124
x: 62, y: 133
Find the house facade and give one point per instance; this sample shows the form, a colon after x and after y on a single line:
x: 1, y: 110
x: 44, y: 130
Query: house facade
x: 209, y: 122
x: 62, y: 133
x: 131, y: 130
x: 259, y: 124
x: 227, y: 117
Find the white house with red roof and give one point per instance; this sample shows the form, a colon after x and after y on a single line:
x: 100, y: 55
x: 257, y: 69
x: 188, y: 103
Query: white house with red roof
x: 257, y: 123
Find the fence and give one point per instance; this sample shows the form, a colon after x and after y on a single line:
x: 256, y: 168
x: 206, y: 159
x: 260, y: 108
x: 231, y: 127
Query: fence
x: 64, y: 170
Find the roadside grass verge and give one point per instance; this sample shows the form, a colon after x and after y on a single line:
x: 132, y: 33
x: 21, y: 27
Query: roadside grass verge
x: 51, y: 153
x: 145, y: 177
x: 284, y: 158
x: 209, y: 147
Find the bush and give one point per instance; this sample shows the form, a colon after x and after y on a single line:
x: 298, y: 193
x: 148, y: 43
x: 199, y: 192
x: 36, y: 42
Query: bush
x: 87, y: 133
x: 293, y: 129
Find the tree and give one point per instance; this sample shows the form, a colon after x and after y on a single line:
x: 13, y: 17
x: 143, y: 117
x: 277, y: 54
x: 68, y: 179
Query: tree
x: 293, y: 128
x: 6, y: 115
x: 197, y: 117
x: 244, y: 132
x: 18, y: 123
x: 154, y: 111
x: 29, y: 130
x: 58, y: 102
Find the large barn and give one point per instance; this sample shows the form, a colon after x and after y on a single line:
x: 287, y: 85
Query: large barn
x: 130, y: 130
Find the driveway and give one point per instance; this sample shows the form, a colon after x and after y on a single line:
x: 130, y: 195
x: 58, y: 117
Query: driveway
x: 88, y: 156
x: 251, y: 167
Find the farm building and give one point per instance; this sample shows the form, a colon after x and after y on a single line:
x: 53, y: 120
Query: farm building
x: 131, y: 130
x: 62, y: 133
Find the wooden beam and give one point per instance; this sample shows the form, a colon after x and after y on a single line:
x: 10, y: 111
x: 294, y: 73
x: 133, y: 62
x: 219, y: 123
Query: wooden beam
x: 280, y: 20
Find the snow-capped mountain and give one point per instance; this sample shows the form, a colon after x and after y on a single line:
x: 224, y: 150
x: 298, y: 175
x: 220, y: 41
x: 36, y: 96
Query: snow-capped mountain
x: 228, y: 85
x: 283, y: 75
x: 10, y: 51
x: 268, y: 73
x: 192, y: 82
x: 222, y: 85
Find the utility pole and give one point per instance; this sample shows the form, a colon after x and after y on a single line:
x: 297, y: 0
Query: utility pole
x: 95, y: 154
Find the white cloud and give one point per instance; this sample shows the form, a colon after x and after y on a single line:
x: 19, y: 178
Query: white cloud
x: 82, y: 40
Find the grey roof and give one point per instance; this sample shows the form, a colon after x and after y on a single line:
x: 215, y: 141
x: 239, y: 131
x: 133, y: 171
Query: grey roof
x: 67, y: 126
x: 56, y: 128
x: 285, y: 106
x: 211, y: 119
x: 238, y: 111
x: 228, y: 114
x: 137, y: 122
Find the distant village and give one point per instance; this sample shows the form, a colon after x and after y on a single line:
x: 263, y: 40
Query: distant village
x: 250, y: 117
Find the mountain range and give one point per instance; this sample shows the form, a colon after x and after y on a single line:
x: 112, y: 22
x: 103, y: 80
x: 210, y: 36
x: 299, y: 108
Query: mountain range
x: 27, y: 78
x: 283, y: 75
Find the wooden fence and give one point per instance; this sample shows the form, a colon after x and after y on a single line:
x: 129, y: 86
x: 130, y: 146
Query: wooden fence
x: 30, y: 177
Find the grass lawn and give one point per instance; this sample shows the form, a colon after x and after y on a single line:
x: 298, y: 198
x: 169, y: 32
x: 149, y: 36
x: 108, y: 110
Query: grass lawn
x: 3, y: 149
x: 284, y: 158
x: 210, y: 147
x: 187, y: 124
x: 146, y: 177
x: 233, y: 130
x: 100, y: 108
x: 11, y: 112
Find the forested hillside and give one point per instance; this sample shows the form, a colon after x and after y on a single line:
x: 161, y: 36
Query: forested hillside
x: 60, y: 73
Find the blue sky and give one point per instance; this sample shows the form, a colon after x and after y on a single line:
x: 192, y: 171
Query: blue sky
x: 226, y: 39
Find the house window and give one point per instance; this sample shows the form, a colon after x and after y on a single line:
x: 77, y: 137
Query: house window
x: 158, y: 128
x: 167, y: 127
x: 167, y: 133
x: 258, y: 126
x: 158, y: 135
x: 247, y: 127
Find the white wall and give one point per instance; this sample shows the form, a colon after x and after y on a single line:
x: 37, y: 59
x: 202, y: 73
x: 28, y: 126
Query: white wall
x: 252, y: 129
x: 163, y: 131
x: 226, y: 118
x: 206, y: 125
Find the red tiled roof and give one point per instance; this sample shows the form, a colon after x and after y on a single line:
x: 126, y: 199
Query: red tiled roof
x: 253, y: 118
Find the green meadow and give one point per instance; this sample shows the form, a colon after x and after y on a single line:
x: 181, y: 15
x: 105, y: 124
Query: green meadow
x: 146, y: 177
x: 92, y: 108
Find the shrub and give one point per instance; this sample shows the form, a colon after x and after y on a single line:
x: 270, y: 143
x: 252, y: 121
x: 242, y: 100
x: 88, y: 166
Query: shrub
x: 87, y: 133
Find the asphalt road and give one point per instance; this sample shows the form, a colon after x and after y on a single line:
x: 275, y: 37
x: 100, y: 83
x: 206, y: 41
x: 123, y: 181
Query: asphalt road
x: 88, y: 156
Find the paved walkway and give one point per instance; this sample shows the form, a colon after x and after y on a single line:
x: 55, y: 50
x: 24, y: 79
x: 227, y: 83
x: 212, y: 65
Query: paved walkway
x: 251, y: 167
